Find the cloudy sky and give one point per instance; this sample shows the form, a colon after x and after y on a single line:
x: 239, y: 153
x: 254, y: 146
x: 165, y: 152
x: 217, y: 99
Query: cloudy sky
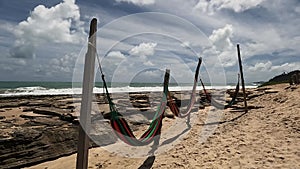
x: 138, y: 39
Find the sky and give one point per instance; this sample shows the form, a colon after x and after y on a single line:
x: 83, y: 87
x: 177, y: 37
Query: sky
x: 138, y: 39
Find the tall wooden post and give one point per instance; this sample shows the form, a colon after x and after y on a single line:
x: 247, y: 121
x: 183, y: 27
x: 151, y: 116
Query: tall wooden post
x: 86, y: 102
x: 242, y: 77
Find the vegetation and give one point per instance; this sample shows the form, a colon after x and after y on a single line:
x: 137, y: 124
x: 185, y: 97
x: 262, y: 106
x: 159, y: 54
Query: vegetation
x: 283, y: 78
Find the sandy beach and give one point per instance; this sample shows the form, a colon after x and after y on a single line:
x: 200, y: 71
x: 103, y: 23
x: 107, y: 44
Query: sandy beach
x: 41, y: 132
x: 149, y: 84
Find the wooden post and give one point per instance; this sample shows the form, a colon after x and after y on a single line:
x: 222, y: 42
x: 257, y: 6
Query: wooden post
x: 86, y: 102
x: 242, y: 77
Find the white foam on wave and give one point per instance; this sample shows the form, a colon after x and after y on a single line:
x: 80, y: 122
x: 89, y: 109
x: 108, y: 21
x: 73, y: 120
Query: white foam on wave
x: 37, y: 90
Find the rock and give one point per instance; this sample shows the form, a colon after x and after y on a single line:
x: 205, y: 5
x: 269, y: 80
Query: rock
x: 106, y: 115
x: 67, y: 117
x: 2, y: 117
x: 70, y: 107
x: 9, y: 105
x: 142, y: 101
x: 46, y: 133
x: 201, y: 106
x: 32, y: 116
x: 271, y: 91
x: 254, y: 95
x: 169, y: 114
x: 262, y: 88
x: 254, y: 107
x: 123, y: 102
x: 137, y: 119
x: 50, y: 111
x: 181, y: 97
x: 44, y: 121
x: 28, y: 109
x: 145, y: 109
x: 294, y: 87
x: 64, y: 105
x: 49, y: 143
x: 101, y: 133
x: 140, y: 105
x: 24, y: 103
x: 104, y: 108
x: 138, y: 96
x: 39, y: 104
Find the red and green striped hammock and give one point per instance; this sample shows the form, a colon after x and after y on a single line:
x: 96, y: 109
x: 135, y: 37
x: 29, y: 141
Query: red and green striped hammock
x: 220, y: 105
x: 122, y: 128
x: 172, y: 104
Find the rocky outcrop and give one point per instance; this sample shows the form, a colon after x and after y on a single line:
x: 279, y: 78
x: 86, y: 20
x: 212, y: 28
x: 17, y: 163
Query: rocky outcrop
x: 38, y: 128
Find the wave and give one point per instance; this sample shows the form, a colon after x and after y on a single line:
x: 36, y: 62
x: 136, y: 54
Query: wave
x: 38, y: 90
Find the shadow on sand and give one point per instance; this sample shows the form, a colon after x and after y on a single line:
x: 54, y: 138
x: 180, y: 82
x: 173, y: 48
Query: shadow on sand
x: 148, y: 163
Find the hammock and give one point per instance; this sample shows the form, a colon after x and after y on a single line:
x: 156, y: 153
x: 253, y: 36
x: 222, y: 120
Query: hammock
x: 172, y: 104
x: 122, y: 128
x: 217, y: 104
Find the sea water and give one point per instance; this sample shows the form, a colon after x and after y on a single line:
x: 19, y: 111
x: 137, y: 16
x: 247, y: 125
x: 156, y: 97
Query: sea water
x: 66, y: 88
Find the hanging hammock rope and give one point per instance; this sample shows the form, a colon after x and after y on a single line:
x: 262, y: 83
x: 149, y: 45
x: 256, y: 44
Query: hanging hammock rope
x: 216, y: 103
x: 120, y: 125
x: 172, y: 104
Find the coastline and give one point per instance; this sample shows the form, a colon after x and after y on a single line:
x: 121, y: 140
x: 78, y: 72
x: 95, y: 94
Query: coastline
x: 267, y: 136
x: 33, y: 89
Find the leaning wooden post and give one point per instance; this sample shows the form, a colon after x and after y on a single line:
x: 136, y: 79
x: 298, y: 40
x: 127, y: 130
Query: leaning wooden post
x: 86, y: 102
x: 242, y: 77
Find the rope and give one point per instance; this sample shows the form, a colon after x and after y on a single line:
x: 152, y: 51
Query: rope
x: 217, y: 104
x: 173, y: 106
x: 120, y: 125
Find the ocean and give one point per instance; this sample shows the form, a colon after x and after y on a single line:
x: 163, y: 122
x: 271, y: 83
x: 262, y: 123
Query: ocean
x: 61, y: 88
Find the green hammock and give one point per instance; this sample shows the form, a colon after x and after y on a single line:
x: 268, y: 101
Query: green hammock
x: 220, y: 105
x: 122, y: 128
x: 172, y: 104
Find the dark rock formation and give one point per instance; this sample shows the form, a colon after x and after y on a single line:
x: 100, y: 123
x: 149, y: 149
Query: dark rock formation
x: 290, y: 77
x: 47, y: 129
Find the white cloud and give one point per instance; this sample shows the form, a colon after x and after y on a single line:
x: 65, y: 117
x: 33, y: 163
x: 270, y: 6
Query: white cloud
x: 237, y: 5
x: 221, y: 37
x: 138, y: 2
x: 152, y: 73
x: 143, y: 49
x: 266, y: 70
x: 21, y: 62
x: 269, y: 67
x: 23, y: 49
x: 57, y: 24
x: 116, y: 55
x: 261, y: 66
x: 222, y: 47
x: 286, y: 67
x: 297, y: 9
x: 113, y: 58
x: 64, y: 64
